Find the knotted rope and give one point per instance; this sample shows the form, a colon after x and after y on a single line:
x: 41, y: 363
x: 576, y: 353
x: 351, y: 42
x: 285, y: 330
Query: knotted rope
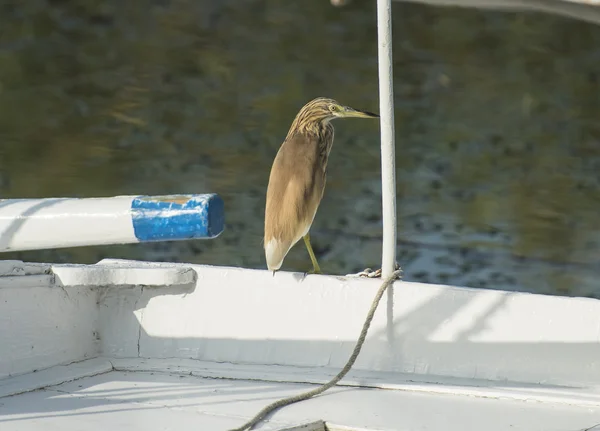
x: 361, y: 339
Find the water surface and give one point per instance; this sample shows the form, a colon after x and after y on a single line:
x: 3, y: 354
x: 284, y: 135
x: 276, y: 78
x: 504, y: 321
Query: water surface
x: 497, y: 129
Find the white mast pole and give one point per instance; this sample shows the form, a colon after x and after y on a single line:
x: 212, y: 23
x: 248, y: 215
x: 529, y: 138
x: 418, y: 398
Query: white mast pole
x: 386, y: 110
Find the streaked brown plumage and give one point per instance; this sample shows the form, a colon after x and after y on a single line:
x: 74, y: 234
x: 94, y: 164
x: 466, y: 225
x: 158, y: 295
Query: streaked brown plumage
x: 298, y: 177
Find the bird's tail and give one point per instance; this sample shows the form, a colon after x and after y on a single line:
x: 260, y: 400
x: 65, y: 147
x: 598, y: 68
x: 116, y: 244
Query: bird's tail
x: 275, y: 251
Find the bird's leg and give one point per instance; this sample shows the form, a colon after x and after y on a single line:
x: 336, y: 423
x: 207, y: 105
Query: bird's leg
x: 316, y: 269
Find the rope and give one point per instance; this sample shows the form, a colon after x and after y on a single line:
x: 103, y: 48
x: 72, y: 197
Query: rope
x: 309, y: 394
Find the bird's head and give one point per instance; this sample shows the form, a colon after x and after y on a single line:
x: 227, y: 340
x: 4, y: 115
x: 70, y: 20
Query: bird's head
x: 323, y: 110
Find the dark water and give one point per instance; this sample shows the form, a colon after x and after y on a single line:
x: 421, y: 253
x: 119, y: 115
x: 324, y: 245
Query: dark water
x: 497, y: 128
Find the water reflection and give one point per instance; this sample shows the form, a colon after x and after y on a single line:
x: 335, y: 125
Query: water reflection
x: 496, y: 124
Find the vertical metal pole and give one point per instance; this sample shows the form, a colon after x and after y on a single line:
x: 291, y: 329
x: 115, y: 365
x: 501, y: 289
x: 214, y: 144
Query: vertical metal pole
x: 388, y: 159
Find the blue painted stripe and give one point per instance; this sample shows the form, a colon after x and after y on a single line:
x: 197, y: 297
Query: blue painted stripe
x: 177, y: 217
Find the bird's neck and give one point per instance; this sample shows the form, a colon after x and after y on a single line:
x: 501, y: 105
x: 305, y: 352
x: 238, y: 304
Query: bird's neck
x: 315, y: 128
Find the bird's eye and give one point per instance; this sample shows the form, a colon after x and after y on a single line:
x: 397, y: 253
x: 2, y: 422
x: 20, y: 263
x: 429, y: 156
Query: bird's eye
x: 333, y: 108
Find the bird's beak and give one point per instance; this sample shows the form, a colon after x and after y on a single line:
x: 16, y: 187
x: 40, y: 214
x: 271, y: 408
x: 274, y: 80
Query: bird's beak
x: 351, y: 112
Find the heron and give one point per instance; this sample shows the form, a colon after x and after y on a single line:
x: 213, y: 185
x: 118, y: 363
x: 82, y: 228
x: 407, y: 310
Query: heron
x: 297, y: 179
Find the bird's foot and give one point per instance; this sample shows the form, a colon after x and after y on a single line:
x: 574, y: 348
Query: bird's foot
x: 369, y: 273
x: 310, y: 272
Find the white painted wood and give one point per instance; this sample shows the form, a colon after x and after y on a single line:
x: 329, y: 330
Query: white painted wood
x: 458, y: 359
x: 27, y: 281
x: 121, y: 273
x: 53, y: 376
x: 122, y: 401
x: 120, y: 311
x: 249, y: 316
x: 30, y: 224
x: 41, y: 326
x: 566, y: 395
x: 17, y: 267
x: 388, y: 157
x: 17, y: 273
x: 35, y: 224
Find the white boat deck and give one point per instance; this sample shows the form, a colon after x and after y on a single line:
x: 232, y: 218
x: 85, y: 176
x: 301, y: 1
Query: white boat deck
x: 163, y: 400
x: 147, y: 346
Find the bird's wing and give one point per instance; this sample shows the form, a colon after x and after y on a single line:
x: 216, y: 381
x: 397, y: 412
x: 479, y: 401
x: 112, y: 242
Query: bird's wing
x: 295, y: 189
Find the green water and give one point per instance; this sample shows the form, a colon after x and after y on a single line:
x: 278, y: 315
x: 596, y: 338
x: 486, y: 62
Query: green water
x: 497, y: 129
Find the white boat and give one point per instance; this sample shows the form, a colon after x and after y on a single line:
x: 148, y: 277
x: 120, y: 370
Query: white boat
x: 127, y: 345
x: 144, y: 346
